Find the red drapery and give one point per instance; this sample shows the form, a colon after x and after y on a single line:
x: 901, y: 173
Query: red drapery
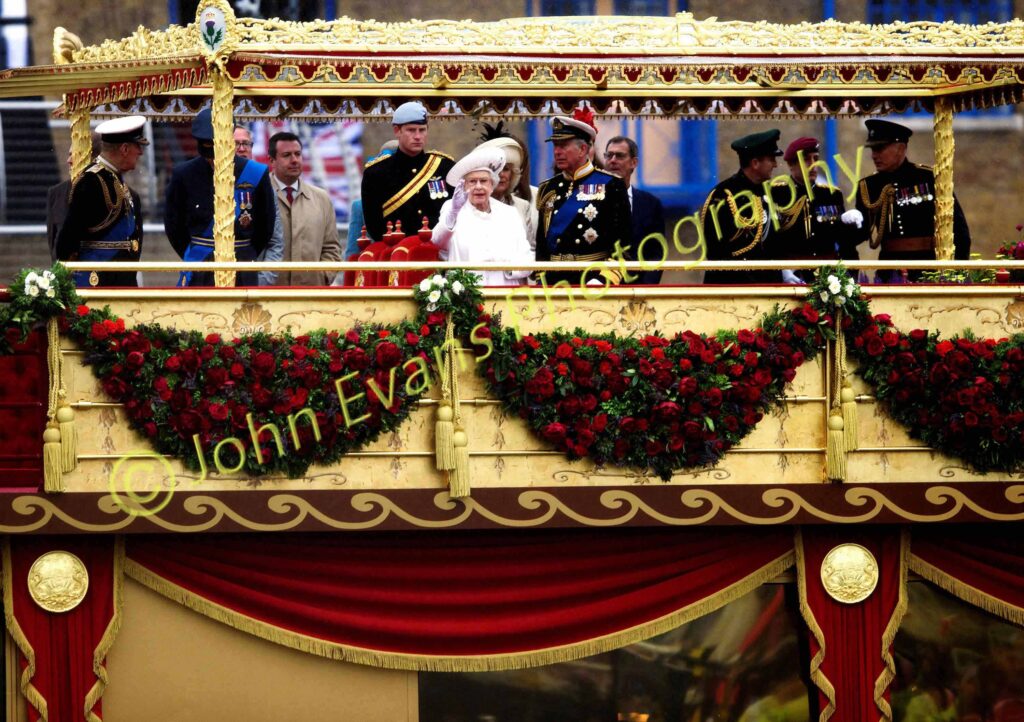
x: 62, y: 654
x: 851, y: 644
x: 471, y: 600
x: 984, y: 566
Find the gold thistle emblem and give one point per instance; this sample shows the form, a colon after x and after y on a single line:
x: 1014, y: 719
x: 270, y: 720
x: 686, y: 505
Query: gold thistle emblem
x: 58, y: 581
x: 849, y: 573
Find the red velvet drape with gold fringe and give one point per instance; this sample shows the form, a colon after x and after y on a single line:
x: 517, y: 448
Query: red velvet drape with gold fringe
x: 460, y: 600
x: 851, y: 644
x: 62, y: 654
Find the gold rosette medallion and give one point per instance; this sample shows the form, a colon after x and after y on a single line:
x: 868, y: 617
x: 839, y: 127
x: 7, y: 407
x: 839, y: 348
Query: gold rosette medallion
x: 849, y: 573
x: 58, y: 581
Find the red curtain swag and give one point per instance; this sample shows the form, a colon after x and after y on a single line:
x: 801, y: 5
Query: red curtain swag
x: 62, y: 654
x: 461, y: 601
x: 982, y: 565
x: 851, y: 644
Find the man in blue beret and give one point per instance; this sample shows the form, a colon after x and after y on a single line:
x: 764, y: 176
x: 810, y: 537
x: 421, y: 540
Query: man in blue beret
x: 584, y: 212
x: 409, y: 184
x: 735, y: 222
x: 188, y: 211
x: 104, y: 221
x: 898, y: 201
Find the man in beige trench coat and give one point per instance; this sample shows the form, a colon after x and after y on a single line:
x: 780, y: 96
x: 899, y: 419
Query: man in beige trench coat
x: 307, y: 214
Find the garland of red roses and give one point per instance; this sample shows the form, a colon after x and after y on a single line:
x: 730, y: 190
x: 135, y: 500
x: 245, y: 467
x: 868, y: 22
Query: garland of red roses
x: 179, y: 386
x: 651, y: 402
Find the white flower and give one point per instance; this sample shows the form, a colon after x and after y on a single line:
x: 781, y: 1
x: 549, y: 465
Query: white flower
x: 833, y: 285
x: 431, y: 306
x: 48, y: 275
x: 824, y: 296
x: 43, y: 283
x: 434, y: 296
x: 840, y: 300
x: 457, y: 287
x: 31, y: 290
x: 50, y: 293
x: 438, y: 280
x: 425, y: 285
x: 851, y: 287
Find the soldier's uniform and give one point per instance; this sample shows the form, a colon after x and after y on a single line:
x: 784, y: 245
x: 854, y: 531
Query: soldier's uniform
x: 735, y: 223
x: 104, y: 221
x: 899, y: 208
x: 808, y: 228
x: 403, y: 187
x: 188, y: 211
x: 582, y: 216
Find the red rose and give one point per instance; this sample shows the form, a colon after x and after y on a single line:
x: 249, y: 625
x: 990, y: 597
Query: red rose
x: 135, y: 360
x: 745, y: 337
x: 190, y: 360
x: 299, y: 352
x: 569, y: 406
x: 691, y: 429
x: 918, y: 334
x: 82, y: 310
x: 261, y: 397
x: 714, y: 396
x: 600, y: 422
x: 99, y: 332
x: 264, y: 364
x: 875, y: 346
x: 687, y: 386
x: 388, y: 355
x: 621, y: 448
x: 216, y: 377
x: 162, y: 389
x: 173, y: 363
x: 383, y: 333
x: 555, y: 433
x: 352, y: 336
x: 207, y: 352
x: 218, y: 412
x: 685, y: 364
x: 150, y: 429
x: 213, y: 339
x: 943, y: 347
x: 115, y: 387
x: 562, y: 369
x: 411, y: 338
x: 564, y: 350
x: 667, y: 410
x: 809, y: 313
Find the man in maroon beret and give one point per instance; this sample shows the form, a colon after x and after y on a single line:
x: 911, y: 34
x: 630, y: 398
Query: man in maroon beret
x: 810, y: 219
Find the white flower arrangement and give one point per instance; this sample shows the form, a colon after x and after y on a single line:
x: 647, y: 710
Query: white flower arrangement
x: 836, y: 288
x: 36, y: 283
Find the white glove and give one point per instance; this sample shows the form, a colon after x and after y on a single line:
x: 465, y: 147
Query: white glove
x: 458, y: 201
x: 595, y: 282
x: 853, y: 217
x: 792, y: 279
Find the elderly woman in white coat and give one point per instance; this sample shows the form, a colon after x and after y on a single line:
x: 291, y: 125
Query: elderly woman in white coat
x: 475, y: 227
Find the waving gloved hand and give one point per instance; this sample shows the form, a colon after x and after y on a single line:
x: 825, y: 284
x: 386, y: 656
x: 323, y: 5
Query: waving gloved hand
x: 853, y: 217
x: 791, y: 278
x: 458, y: 201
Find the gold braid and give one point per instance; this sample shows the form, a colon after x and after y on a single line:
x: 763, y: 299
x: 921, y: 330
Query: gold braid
x: 793, y: 213
x: 880, y: 209
x: 761, y: 217
x: 114, y: 205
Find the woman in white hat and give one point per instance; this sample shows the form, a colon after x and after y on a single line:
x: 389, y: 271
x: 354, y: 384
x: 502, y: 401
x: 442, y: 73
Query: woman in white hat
x: 474, y: 227
x: 509, y: 179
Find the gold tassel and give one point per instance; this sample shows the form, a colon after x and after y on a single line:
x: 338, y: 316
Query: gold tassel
x: 68, y: 438
x: 849, y: 404
x: 444, y: 446
x: 835, y: 451
x: 458, y: 477
x: 53, y: 479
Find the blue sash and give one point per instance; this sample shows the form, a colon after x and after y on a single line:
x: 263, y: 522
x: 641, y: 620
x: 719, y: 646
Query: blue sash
x: 117, y: 239
x: 567, y: 213
x: 200, y: 248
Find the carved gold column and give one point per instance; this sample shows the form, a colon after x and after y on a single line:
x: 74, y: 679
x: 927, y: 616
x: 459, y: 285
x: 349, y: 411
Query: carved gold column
x: 943, y: 180
x: 223, y: 175
x: 81, y: 142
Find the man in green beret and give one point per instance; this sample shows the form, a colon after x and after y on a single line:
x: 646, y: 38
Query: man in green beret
x: 735, y: 221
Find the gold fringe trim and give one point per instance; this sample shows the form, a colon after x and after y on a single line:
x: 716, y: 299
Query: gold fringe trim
x: 835, y: 447
x: 28, y: 690
x: 109, y: 635
x: 474, y: 663
x: 969, y: 594
x: 889, y: 636
x: 817, y: 676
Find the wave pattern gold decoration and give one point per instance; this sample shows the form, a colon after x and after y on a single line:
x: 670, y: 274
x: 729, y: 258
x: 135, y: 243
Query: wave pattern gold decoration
x: 192, y: 512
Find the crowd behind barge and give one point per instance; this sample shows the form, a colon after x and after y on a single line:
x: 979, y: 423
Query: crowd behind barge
x: 419, y: 204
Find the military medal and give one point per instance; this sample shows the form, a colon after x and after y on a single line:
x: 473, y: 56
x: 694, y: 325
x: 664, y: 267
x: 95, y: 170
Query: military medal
x: 245, y: 204
x: 94, y: 279
x: 135, y: 246
x: 591, y: 192
x: 437, y: 189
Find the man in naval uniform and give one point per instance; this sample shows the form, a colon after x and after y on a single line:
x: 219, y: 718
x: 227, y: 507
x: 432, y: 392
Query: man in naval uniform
x: 809, y: 223
x: 104, y: 221
x: 584, y: 212
x: 188, y: 211
x: 735, y: 222
x: 409, y: 184
x: 898, y: 201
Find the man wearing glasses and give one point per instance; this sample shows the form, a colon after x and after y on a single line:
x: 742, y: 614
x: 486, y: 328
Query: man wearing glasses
x: 621, y: 157
x: 104, y: 221
x: 275, y: 247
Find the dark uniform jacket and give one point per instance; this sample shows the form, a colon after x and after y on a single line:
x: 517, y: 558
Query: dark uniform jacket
x: 99, y: 208
x: 899, y: 212
x: 401, y: 187
x: 809, y: 228
x: 648, y: 217
x: 56, y: 211
x: 189, y: 209
x: 580, y: 219
x: 728, y: 238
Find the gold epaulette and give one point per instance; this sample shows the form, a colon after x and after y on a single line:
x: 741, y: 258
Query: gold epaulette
x: 440, y: 153
x: 922, y: 166
x: 376, y: 160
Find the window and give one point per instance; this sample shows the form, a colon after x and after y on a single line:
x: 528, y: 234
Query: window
x: 567, y: 7
x: 961, y: 11
x: 642, y: 7
x: 184, y: 11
